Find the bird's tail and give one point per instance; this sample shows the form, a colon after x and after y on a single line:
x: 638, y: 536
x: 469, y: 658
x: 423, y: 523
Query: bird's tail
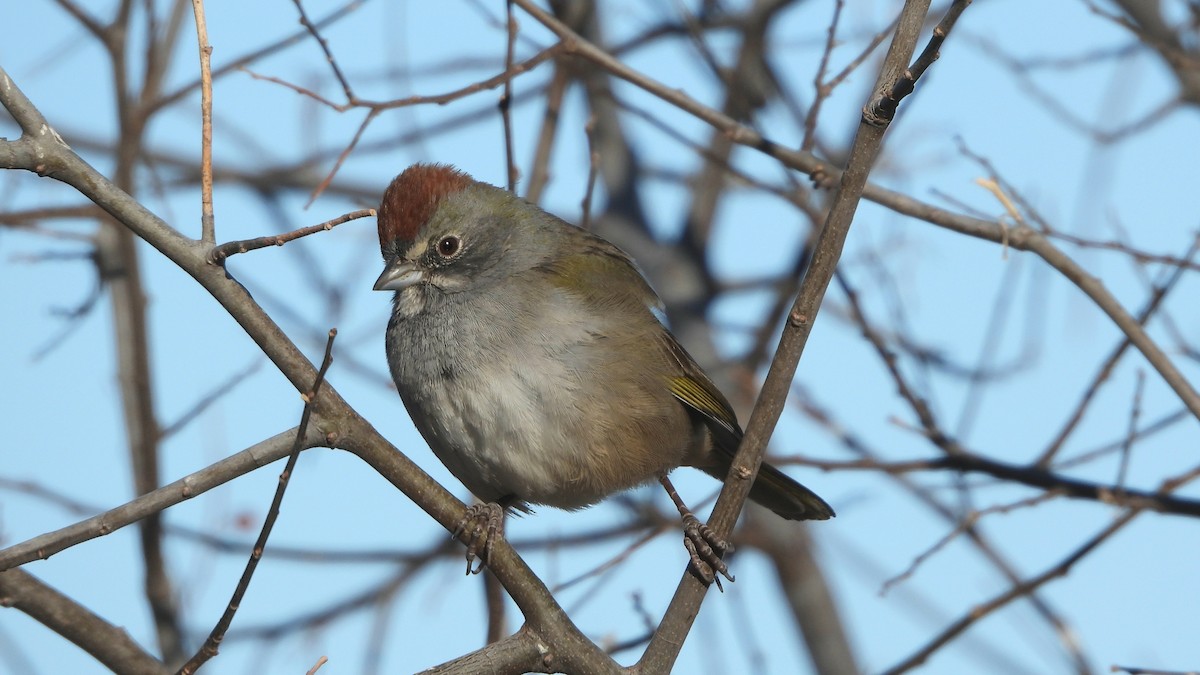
x: 777, y: 491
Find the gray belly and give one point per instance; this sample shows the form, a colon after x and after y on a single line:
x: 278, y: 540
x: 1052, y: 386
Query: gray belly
x: 561, y: 419
x: 509, y: 433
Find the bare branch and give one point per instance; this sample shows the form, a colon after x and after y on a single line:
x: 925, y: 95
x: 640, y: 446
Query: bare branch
x: 211, y: 645
x: 208, y: 232
x: 219, y: 253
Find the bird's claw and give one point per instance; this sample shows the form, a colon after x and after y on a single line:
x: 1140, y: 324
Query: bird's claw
x: 481, y: 525
x: 706, y: 549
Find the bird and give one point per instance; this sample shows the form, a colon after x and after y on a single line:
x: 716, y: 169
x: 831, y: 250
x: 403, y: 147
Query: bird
x: 531, y: 357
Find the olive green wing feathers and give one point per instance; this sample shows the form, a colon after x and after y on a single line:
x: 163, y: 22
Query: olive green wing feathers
x: 608, y: 278
x: 772, y: 488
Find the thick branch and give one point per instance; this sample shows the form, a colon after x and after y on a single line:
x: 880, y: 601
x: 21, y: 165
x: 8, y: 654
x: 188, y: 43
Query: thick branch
x: 256, y: 456
x: 109, y: 644
x: 665, y: 646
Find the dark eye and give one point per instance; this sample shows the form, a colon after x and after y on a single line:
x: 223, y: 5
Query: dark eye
x: 448, y: 246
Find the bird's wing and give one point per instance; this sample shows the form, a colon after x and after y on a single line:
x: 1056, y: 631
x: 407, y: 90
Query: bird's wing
x: 693, y: 388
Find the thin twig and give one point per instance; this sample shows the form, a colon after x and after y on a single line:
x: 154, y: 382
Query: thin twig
x: 212, y: 644
x: 539, y: 174
x: 251, y: 57
x: 337, y: 71
x: 483, y: 85
x: 208, y: 232
x: 1110, y: 363
x: 1135, y: 414
x: 882, y: 110
x: 589, y: 128
x: 210, y: 398
x: 362, y: 128
x: 968, y: 521
x: 219, y: 253
x: 505, y: 104
x: 1018, y: 590
x: 822, y: 89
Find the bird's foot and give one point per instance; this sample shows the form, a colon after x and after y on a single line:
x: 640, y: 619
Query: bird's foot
x: 706, y: 549
x: 481, y: 526
x: 702, y: 544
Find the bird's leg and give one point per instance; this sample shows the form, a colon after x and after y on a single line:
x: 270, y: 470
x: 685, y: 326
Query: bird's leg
x: 481, y: 525
x: 705, y: 547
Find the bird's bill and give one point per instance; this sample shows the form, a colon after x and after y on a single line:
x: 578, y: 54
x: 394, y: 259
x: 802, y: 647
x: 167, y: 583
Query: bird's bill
x: 398, y: 275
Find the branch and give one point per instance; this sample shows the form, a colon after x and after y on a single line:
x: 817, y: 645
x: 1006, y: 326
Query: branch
x: 109, y: 644
x: 219, y: 253
x: 1016, y: 591
x: 883, y: 109
x: 518, y: 653
x: 208, y: 232
x: 217, y: 634
x: 664, y: 648
x: 256, y: 456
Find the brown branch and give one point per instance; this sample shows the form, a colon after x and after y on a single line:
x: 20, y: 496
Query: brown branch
x: 93, y: 26
x: 882, y: 110
x: 1185, y: 261
x: 494, y: 600
x: 1156, y: 298
x: 660, y: 655
x: 820, y: 87
x: 108, y: 644
x: 958, y: 459
x: 251, y: 57
x: 337, y: 165
x: 316, y: 33
x: 518, y: 653
x: 539, y: 174
x: 1147, y: 22
x: 212, y: 644
x: 505, y: 104
x: 1135, y: 670
x: 1070, y: 487
x: 1018, y: 590
x: 256, y: 456
x: 28, y: 218
x: 218, y: 254
x: 462, y: 92
x: 208, y: 232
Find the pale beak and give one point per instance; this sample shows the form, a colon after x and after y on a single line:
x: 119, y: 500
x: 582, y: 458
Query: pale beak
x: 399, y: 275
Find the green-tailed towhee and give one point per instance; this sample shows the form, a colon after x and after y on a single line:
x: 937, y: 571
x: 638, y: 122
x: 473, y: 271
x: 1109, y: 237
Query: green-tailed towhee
x: 529, y: 355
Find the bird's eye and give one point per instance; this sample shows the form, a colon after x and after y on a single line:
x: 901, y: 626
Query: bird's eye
x: 448, y: 246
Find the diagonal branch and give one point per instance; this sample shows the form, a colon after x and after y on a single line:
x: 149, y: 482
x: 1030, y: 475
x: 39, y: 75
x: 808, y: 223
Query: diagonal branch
x: 664, y: 647
x: 108, y: 644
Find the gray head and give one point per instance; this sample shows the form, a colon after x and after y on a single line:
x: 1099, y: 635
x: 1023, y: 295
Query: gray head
x: 442, y: 232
